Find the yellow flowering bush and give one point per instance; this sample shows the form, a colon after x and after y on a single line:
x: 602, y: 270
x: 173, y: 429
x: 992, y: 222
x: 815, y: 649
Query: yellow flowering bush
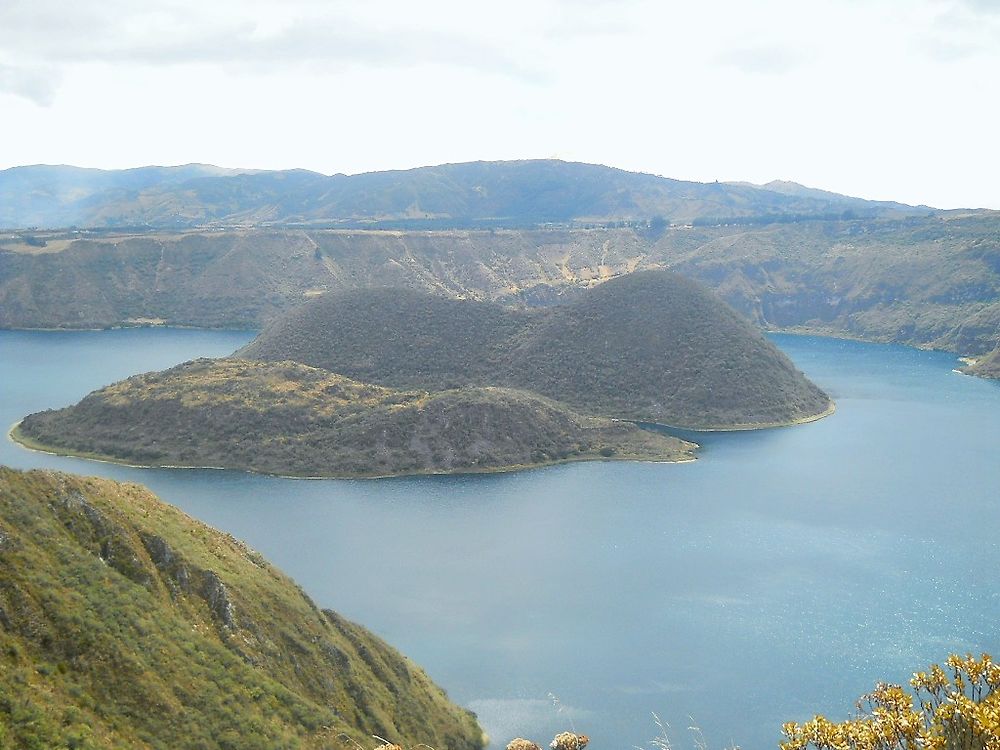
x: 956, y: 707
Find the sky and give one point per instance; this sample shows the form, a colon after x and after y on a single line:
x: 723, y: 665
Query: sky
x: 883, y: 99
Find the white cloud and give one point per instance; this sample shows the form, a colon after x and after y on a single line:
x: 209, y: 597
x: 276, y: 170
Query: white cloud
x: 172, y: 34
x: 772, y: 60
x: 35, y: 85
x: 982, y: 6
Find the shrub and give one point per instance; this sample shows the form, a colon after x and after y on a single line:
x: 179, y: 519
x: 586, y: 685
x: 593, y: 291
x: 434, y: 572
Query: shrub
x: 957, y: 708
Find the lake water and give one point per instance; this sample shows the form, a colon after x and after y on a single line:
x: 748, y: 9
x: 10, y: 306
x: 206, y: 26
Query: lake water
x: 781, y: 574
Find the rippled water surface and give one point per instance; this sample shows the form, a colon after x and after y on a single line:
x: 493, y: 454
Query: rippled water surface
x: 779, y: 575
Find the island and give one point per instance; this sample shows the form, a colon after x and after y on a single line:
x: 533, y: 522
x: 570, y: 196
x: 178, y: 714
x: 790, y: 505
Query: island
x: 381, y: 382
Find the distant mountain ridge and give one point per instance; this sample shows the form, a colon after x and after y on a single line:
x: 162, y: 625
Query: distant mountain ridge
x: 60, y: 195
x: 790, y: 188
x: 504, y: 193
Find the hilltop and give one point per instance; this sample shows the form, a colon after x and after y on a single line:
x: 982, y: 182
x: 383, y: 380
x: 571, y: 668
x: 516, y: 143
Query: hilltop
x: 650, y: 346
x: 521, y: 193
x: 125, y: 623
x: 288, y: 418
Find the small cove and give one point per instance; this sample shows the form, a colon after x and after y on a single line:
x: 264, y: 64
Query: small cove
x: 779, y: 575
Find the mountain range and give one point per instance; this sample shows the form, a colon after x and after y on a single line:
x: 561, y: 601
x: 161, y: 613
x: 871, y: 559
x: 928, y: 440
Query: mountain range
x: 508, y: 193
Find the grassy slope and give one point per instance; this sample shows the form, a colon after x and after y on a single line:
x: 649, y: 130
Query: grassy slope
x: 244, y: 279
x: 649, y: 346
x: 288, y: 418
x: 126, y: 624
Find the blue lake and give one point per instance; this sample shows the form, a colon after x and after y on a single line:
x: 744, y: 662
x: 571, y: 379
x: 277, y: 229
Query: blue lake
x: 780, y: 575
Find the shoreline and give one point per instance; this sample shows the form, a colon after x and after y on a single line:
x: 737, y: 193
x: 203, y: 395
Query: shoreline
x: 830, y: 409
x: 121, y: 326
x: 27, y: 443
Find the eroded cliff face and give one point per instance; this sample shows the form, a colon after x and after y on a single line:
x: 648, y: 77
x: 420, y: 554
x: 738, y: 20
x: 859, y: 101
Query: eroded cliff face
x: 930, y: 281
x: 125, y: 623
x: 246, y: 278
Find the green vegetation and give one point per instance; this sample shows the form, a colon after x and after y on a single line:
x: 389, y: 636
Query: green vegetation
x: 126, y: 624
x: 288, y: 418
x: 787, y: 256
x: 650, y: 347
x: 952, y: 708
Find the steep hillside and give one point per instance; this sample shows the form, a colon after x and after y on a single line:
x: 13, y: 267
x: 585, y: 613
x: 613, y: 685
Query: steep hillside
x: 244, y: 279
x: 287, y: 418
x: 987, y: 367
x: 126, y: 624
x: 928, y: 282
x: 507, y: 193
x: 649, y: 346
x: 395, y: 337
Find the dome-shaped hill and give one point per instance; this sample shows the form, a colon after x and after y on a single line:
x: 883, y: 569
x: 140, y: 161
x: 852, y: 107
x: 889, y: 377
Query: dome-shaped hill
x: 655, y: 346
x: 399, y: 337
x: 650, y: 346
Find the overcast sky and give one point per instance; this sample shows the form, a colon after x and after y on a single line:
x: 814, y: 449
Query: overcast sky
x: 888, y: 99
